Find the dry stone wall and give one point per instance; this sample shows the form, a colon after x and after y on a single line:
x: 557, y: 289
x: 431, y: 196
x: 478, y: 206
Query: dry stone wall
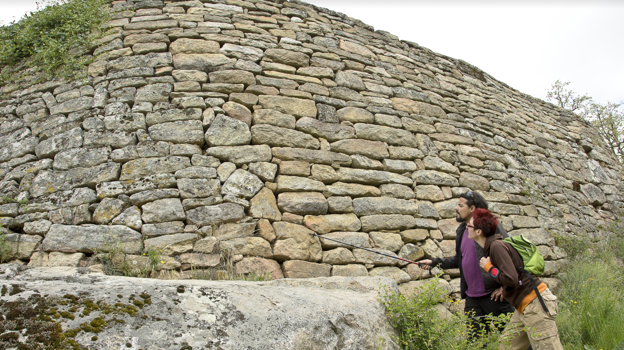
x: 247, y: 126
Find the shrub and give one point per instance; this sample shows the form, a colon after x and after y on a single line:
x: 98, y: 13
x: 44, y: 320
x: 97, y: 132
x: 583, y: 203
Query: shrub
x: 421, y: 327
x: 53, y: 39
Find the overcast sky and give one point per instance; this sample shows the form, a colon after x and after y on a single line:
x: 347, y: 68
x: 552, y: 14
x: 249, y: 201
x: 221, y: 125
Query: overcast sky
x: 526, y: 44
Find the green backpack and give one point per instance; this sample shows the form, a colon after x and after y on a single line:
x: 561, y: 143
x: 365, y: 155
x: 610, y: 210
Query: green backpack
x: 531, y: 257
x: 532, y: 260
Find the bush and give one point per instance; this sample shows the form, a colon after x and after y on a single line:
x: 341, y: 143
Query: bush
x: 421, y: 327
x: 53, y: 39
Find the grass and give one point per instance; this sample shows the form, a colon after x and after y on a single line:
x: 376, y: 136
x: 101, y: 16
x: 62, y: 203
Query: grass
x: 591, y: 292
x: 5, y: 247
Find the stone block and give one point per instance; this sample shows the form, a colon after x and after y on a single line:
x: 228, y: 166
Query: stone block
x: 398, y: 275
x: 289, y: 105
x: 338, y: 256
x: 187, y: 131
x: 304, y: 269
x: 162, y: 228
x: 248, y: 246
x: 241, y: 154
x: 384, y: 205
x: 387, y: 222
x: 171, y: 245
x: 215, y: 214
x: 350, y: 270
x: 340, y: 205
x: 199, y: 261
x: 264, y: 170
x: 311, y: 203
x: 263, y: 205
x: 432, y: 177
x: 386, y: 240
x: 275, y: 136
x: 90, y: 238
x: 295, y: 242
x: 329, y: 131
x: 374, y: 177
x: 163, y: 210
x: 259, y: 266
x: 294, y: 167
x: 369, y: 258
x: 392, y: 136
x: 332, y: 222
x: 130, y: 217
x: 242, y: 184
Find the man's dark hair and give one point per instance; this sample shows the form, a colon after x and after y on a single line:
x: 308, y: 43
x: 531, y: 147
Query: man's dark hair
x: 473, y: 198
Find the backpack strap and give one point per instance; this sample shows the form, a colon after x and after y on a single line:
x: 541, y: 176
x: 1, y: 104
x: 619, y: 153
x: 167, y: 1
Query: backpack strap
x: 522, y: 270
x: 539, y: 296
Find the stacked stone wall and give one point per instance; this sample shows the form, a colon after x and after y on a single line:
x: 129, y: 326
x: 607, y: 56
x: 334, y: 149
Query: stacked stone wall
x: 247, y: 126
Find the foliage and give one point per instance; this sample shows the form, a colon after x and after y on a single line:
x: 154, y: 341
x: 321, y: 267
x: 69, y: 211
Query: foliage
x: 7, y: 199
x: 5, y: 247
x: 420, y: 327
x: 567, y: 99
x: 607, y: 118
x: 591, y: 292
x: 53, y: 38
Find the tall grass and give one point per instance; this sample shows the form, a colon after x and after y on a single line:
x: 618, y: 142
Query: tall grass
x: 591, y: 292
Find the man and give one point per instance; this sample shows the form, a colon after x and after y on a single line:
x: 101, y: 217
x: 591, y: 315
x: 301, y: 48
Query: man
x: 482, y: 293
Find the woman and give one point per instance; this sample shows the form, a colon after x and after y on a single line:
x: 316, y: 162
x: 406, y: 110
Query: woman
x: 530, y: 324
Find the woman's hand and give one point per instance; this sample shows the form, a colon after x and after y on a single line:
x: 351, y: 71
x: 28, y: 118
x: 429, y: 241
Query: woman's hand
x: 484, y: 261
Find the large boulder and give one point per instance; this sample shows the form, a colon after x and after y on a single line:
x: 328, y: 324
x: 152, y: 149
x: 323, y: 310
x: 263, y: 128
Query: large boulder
x: 344, y: 312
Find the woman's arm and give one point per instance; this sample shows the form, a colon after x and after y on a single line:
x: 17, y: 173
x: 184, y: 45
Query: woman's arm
x: 500, y: 265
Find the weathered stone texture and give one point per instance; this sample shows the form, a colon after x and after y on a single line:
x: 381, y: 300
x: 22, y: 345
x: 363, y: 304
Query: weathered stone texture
x: 229, y: 121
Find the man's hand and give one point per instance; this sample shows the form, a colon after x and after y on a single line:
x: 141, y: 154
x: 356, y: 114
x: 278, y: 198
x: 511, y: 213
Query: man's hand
x: 484, y: 261
x: 425, y: 264
x: 497, y: 295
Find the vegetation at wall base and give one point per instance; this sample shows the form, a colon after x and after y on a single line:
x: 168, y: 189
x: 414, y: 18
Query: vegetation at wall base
x: 5, y: 249
x: 421, y: 327
x: 116, y: 263
x: 53, y: 40
x: 591, y: 292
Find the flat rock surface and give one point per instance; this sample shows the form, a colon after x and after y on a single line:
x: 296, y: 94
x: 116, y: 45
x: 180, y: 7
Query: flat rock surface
x: 318, y: 313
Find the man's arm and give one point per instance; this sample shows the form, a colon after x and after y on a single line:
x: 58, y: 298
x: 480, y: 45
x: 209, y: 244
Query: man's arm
x: 446, y: 263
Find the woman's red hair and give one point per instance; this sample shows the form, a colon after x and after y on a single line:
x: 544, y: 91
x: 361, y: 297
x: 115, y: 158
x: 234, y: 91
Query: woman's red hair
x: 485, y: 221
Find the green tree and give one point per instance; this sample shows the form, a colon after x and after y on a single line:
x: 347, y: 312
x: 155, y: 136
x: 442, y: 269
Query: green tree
x: 607, y: 118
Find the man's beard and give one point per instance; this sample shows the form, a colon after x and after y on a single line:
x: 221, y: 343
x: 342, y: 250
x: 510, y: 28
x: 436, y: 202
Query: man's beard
x: 458, y: 217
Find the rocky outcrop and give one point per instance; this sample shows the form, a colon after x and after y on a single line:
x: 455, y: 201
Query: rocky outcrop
x: 104, y: 312
x: 249, y: 125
